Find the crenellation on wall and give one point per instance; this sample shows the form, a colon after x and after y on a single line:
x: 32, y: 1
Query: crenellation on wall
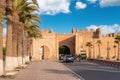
x: 46, y: 31
x: 110, y: 35
x: 87, y: 30
x: 92, y: 30
x: 73, y: 30
x: 42, y: 31
x: 97, y: 33
x: 51, y: 31
x: 77, y: 30
x: 113, y: 34
x: 81, y: 30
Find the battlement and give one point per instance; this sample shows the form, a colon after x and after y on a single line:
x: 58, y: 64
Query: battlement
x: 96, y: 34
x: 81, y: 30
x: 110, y: 35
x: 47, y: 31
x: 75, y: 30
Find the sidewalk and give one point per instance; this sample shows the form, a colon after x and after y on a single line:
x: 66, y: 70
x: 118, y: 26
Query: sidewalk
x: 46, y: 70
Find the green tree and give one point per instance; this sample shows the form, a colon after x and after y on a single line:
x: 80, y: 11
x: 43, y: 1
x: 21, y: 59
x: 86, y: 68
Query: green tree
x: 29, y: 18
x: 108, y: 49
x: 114, y: 46
x: 2, y: 14
x: 99, y: 43
x: 14, y: 10
x: 9, y: 18
x: 89, y: 45
x: 117, y: 39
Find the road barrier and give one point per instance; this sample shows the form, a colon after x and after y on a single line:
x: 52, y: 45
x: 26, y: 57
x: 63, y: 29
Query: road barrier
x: 115, y: 64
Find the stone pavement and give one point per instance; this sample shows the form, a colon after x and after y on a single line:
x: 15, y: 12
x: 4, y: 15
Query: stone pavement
x: 46, y: 70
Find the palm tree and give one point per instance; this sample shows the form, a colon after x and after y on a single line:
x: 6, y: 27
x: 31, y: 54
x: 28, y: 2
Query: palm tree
x: 93, y: 51
x: 19, y: 44
x: 22, y: 14
x: 117, y: 38
x: 12, y: 29
x: 23, y: 11
x: 19, y: 6
x: 89, y: 44
x: 99, y: 43
x: 13, y: 11
x: 33, y: 32
x: 108, y: 48
x: 29, y: 19
x: 15, y: 28
x: 17, y: 31
x: 2, y: 14
x: 114, y: 46
x: 9, y: 55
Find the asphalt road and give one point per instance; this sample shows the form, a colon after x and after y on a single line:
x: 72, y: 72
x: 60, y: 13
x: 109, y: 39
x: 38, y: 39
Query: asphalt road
x: 93, y: 71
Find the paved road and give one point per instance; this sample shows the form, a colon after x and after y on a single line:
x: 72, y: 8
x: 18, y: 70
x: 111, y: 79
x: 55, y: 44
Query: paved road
x: 45, y: 70
x: 93, y: 71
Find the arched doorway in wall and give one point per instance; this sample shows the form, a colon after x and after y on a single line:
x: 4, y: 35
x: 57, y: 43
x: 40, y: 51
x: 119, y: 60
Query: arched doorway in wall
x: 44, y: 52
x: 63, y: 50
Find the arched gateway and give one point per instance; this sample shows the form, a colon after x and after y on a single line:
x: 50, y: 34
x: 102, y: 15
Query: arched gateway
x: 48, y: 47
x: 44, y: 52
x: 64, y: 50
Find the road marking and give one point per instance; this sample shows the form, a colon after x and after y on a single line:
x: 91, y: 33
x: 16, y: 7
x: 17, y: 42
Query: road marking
x: 82, y: 68
x: 76, y: 75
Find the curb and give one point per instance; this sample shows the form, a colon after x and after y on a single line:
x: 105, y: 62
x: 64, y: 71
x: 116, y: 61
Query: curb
x: 74, y: 74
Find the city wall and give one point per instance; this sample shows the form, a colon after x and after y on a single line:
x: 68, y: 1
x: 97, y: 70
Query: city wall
x: 76, y: 41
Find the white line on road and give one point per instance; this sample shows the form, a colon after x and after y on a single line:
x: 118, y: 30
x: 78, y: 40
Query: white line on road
x: 78, y: 76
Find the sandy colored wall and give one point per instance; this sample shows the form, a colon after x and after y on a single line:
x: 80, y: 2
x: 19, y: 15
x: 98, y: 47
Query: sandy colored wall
x: 48, y: 40
x: 75, y: 42
x: 67, y: 40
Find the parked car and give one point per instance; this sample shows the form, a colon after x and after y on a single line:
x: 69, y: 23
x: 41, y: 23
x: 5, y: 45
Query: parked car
x: 68, y: 58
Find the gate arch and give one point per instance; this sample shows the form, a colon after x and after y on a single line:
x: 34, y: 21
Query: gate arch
x: 44, y: 52
x: 70, y: 46
x: 48, y: 45
x: 64, y: 50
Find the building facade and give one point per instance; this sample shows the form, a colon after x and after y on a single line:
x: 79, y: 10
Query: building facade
x: 47, y: 47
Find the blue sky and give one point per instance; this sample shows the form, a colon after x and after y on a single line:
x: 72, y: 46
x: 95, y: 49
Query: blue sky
x: 63, y: 15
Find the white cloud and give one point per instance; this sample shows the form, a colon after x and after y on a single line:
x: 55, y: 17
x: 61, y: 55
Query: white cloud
x: 106, y: 29
x: 92, y: 1
x: 4, y: 32
x: 53, y: 7
x: 106, y: 3
x: 94, y: 27
x: 80, y: 5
